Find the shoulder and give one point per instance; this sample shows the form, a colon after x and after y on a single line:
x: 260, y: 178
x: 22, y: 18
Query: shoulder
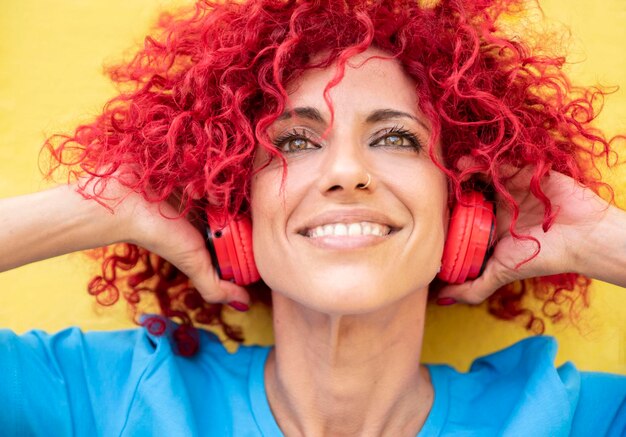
x: 76, y: 372
x: 107, y: 381
x: 102, y: 355
x: 520, y: 388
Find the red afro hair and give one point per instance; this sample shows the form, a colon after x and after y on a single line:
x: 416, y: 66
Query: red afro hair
x: 196, y: 99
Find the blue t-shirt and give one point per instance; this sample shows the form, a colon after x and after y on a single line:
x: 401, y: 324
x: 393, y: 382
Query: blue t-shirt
x: 130, y: 383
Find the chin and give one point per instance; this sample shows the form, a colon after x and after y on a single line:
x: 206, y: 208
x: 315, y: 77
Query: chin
x: 351, y: 293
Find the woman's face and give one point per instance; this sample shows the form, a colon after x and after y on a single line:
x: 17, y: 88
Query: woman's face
x: 325, y: 241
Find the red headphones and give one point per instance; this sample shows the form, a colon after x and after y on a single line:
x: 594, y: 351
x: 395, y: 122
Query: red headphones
x: 471, y: 234
x: 231, y: 250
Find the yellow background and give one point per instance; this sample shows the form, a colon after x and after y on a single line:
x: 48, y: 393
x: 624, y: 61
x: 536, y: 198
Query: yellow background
x: 51, y: 57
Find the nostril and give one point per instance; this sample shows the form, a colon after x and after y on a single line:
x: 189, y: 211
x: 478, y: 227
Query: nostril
x: 335, y: 188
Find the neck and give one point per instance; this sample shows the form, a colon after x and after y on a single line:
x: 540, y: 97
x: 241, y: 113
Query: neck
x: 349, y: 375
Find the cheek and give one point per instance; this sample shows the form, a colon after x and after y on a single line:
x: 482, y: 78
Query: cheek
x: 446, y: 221
x: 275, y: 194
x: 426, y: 196
x: 427, y: 204
x: 262, y: 232
x: 270, y: 209
x: 265, y: 203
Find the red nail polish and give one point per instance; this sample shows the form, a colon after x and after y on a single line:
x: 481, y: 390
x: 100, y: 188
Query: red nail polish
x: 239, y: 306
x: 445, y: 301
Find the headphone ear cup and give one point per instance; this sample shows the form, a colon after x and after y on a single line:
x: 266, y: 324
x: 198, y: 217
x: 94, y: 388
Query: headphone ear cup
x: 458, y: 229
x: 231, y: 250
x: 483, y: 235
x: 242, y: 239
x: 470, y: 234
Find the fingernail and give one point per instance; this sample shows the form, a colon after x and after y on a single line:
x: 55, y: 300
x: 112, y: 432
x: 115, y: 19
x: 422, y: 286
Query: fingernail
x: 239, y: 306
x: 445, y: 301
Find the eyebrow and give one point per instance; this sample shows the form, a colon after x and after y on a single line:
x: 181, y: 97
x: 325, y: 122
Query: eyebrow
x: 307, y: 112
x: 376, y: 116
x: 386, y: 114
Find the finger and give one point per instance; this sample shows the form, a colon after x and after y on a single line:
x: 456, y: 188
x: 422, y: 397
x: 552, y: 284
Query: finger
x: 213, y: 289
x: 179, y: 242
x: 469, y: 167
x: 237, y: 296
x: 476, y: 291
x: 516, y: 179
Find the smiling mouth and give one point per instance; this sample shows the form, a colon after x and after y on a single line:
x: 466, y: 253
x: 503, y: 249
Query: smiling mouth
x: 354, y: 229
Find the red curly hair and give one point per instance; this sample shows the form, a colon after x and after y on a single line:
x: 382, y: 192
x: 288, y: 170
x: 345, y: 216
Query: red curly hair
x: 196, y: 99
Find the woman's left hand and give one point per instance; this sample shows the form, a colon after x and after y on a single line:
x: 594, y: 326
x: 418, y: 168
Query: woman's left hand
x: 580, y: 214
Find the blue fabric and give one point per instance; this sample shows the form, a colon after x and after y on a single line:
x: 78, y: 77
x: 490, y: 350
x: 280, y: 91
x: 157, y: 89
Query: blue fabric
x: 130, y: 383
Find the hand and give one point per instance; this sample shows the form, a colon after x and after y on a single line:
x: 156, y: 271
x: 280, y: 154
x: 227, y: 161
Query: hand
x: 579, y: 212
x: 159, y: 228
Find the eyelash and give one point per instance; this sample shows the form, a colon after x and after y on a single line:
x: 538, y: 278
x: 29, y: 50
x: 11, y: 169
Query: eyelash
x: 414, y: 142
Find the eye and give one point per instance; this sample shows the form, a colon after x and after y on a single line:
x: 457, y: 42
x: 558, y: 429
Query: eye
x: 396, y: 137
x: 295, y: 141
x: 394, y: 141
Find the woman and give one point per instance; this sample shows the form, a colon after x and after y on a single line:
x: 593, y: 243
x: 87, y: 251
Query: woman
x: 354, y: 135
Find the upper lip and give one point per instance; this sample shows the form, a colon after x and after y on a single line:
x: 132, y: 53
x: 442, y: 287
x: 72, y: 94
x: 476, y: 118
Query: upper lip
x: 348, y: 216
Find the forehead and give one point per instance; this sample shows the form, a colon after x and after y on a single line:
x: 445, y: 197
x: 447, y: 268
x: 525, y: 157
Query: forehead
x: 370, y: 79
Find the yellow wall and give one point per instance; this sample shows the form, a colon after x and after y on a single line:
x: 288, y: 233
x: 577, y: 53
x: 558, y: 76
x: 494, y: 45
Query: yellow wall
x: 51, y: 57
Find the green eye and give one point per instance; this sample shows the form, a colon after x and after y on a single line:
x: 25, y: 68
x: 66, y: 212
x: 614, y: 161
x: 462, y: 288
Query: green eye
x: 296, y: 144
x: 293, y: 142
x: 394, y: 141
x: 398, y: 138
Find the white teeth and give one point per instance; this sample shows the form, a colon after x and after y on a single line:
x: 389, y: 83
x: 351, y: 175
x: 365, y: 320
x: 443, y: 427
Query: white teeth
x: 341, y: 229
x: 354, y: 229
x: 366, y: 228
x: 349, y: 229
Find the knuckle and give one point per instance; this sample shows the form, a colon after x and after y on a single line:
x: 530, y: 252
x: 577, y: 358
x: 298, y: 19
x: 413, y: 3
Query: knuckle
x: 210, y: 291
x: 474, y: 299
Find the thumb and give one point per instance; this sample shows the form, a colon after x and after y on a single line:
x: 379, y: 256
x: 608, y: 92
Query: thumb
x: 476, y: 291
x: 200, y: 271
x: 179, y: 242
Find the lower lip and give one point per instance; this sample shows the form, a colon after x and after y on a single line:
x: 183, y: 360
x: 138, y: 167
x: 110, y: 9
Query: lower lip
x: 346, y: 242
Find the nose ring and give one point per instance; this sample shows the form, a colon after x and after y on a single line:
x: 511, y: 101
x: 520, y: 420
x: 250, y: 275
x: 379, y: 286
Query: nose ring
x: 367, y: 184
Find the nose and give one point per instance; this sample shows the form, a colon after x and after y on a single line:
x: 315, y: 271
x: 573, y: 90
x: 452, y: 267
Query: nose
x: 345, y: 170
